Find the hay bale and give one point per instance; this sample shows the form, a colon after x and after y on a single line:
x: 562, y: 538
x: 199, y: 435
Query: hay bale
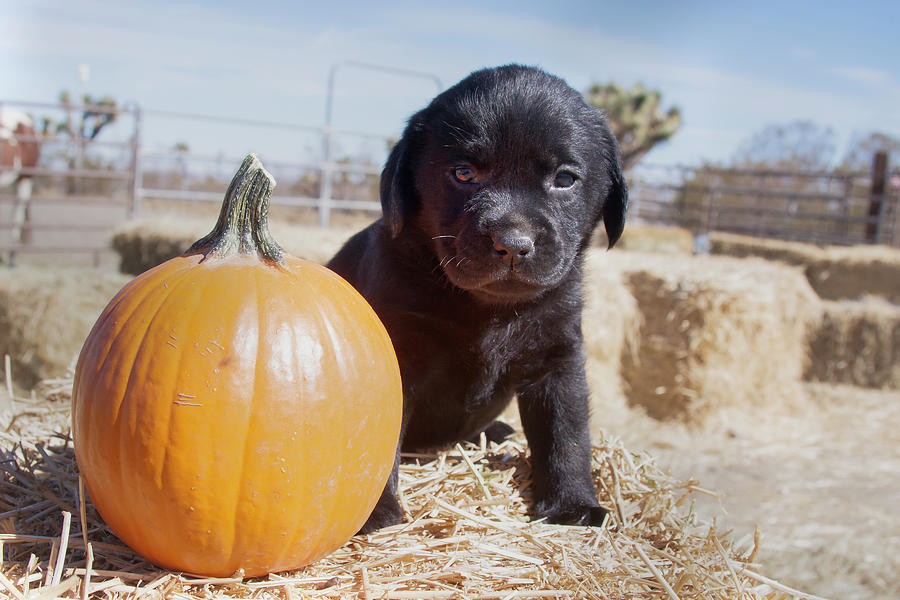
x: 610, y: 325
x: 467, y: 535
x: 145, y: 243
x: 311, y: 242
x: 857, y: 343
x: 638, y: 237
x: 716, y: 333
x: 45, y: 315
x: 855, y: 272
x: 835, y: 272
x: 743, y: 246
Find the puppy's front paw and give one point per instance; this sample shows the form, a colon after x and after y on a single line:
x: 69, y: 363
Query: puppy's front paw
x: 495, y: 433
x: 577, y: 513
x: 386, y: 513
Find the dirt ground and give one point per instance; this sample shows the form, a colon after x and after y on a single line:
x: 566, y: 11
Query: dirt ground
x: 821, y: 485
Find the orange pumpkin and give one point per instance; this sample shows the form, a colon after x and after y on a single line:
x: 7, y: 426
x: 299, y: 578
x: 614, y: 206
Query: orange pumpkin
x: 236, y: 408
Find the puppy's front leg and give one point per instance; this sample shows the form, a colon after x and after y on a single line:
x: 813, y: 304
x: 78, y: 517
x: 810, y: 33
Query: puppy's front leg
x: 554, y: 412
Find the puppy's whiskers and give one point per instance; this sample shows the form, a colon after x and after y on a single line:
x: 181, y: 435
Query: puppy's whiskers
x: 446, y: 261
x: 437, y: 237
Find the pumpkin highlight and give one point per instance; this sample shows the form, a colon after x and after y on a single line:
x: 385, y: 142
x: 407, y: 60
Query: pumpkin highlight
x: 236, y: 408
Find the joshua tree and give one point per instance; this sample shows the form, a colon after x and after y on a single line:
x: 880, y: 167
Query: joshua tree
x: 91, y: 121
x: 635, y: 118
x: 81, y: 127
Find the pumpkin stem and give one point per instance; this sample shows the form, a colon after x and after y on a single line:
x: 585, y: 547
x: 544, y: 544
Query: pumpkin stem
x: 243, y: 224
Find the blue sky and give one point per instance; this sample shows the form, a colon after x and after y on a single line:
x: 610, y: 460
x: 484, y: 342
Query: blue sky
x: 732, y: 67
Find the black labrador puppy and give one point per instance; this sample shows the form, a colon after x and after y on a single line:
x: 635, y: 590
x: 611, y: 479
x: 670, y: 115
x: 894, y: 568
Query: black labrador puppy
x: 489, y: 200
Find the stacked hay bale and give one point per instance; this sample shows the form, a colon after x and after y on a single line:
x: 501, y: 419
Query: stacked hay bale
x: 835, y: 272
x: 858, y: 340
x: 848, y: 273
x: 743, y: 246
x: 610, y: 325
x: 45, y: 315
x: 638, y: 237
x: 857, y: 343
x: 145, y: 243
x: 715, y: 333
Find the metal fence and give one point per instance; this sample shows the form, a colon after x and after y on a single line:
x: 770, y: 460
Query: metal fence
x: 84, y: 188
x: 818, y: 207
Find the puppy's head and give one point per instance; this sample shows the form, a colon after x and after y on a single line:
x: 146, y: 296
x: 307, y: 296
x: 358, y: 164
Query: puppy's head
x: 506, y: 175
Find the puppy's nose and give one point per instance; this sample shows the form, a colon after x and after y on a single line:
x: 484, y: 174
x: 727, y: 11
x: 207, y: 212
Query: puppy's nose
x: 513, y: 246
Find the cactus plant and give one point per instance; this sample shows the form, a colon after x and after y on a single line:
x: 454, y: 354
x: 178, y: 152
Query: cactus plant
x: 635, y: 118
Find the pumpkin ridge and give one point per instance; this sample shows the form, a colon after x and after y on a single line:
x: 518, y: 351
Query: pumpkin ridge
x: 127, y: 473
x: 139, y: 307
x: 84, y: 409
x: 165, y: 475
x: 306, y: 295
x: 335, y: 342
x: 110, y: 311
x: 290, y: 541
x: 145, y: 334
x: 160, y: 476
x: 88, y: 412
x: 237, y: 544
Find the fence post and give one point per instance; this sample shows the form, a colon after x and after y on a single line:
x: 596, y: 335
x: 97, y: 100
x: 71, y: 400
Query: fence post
x: 136, y: 170
x: 328, y: 167
x: 325, y: 188
x: 876, y: 198
x: 895, y: 211
x: 712, y: 215
x: 327, y: 151
x: 844, y: 223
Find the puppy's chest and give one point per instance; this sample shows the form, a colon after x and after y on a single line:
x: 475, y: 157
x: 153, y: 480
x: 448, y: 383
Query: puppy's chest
x: 500, y: 358
x: 513, y: 343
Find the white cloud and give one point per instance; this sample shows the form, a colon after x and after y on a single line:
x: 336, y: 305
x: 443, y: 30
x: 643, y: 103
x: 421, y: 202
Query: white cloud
x: 864, y: 75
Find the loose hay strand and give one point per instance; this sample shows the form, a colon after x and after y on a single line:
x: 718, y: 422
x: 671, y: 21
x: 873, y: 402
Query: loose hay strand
x: 11, y: 588
x: 795, y: 594
x: 659, y: 576
x: 88, y: 565
x: 474, y: 470
x: 63, y: 546
x: 7, y: 370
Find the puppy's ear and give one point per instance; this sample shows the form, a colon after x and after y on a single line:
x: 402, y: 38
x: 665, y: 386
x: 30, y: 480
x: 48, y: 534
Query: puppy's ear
x: 616, y: 204
x: 396, y: 186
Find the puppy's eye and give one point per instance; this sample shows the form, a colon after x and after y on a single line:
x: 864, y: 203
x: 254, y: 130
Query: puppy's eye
x: 464, y: 174
x: 564, y: 179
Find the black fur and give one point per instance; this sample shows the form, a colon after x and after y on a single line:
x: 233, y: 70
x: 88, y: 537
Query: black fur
x: 490, y: 199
